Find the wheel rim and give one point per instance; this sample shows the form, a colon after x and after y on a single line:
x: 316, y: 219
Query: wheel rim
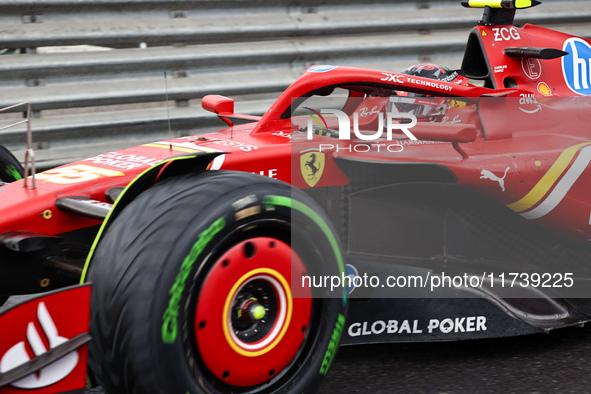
x: 248, y: 328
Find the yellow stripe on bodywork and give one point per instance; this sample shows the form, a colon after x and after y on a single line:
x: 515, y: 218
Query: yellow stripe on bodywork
x: 548, y: 180
x: 174, y: 148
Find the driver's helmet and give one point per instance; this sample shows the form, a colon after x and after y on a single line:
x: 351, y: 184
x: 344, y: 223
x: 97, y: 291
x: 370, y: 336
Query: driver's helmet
x: 423, y: 106
x: 433, y: 71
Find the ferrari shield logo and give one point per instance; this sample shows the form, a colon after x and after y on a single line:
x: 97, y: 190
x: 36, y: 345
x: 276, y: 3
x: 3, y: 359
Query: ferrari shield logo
x: 312, y: 167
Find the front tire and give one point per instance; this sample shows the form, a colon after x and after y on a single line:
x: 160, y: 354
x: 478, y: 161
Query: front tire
x: 193, y: 289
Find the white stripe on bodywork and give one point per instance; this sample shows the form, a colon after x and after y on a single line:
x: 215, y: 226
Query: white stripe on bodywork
x: 217, y: 162
x: 563, y: 186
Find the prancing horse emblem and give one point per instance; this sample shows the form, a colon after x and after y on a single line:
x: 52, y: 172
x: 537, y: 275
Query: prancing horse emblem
x: 312, y: 167
x: 486, y: 174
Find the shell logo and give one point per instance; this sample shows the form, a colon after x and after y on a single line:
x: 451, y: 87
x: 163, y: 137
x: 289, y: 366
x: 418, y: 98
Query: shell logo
x: 544, y: 89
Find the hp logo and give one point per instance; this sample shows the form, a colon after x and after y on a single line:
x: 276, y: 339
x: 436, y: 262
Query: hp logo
x: 576, y: 66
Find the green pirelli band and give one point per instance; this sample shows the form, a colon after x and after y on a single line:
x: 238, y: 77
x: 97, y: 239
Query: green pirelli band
x: 13, y: 172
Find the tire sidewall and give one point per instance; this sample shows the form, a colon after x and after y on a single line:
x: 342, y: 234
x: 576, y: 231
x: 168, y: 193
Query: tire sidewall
x: 220, y: 228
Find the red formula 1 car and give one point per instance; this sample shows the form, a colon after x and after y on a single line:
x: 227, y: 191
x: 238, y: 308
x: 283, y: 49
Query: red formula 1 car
x: 363, y: 206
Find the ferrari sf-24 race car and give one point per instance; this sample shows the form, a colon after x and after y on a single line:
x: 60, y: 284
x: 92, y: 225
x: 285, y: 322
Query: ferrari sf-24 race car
x: 363, y: 206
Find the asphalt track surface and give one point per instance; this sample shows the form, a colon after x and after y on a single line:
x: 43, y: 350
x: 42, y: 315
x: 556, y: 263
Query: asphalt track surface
x: 556, y: 362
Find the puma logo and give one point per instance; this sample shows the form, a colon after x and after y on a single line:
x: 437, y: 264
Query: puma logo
x: 486, y: 174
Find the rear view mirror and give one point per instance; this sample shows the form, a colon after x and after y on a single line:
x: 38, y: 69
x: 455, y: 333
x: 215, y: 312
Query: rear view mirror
x: 218, y: 104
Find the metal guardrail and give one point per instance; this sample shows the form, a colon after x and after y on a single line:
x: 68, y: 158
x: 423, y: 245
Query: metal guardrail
x: 85, y: 102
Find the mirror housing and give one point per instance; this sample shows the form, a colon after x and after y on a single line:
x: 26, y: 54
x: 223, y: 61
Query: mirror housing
x: 218, y: 104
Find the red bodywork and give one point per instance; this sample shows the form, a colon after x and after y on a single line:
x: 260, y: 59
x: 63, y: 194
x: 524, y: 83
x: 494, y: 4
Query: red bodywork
x: 521, y: 140
x: 546, y: 151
